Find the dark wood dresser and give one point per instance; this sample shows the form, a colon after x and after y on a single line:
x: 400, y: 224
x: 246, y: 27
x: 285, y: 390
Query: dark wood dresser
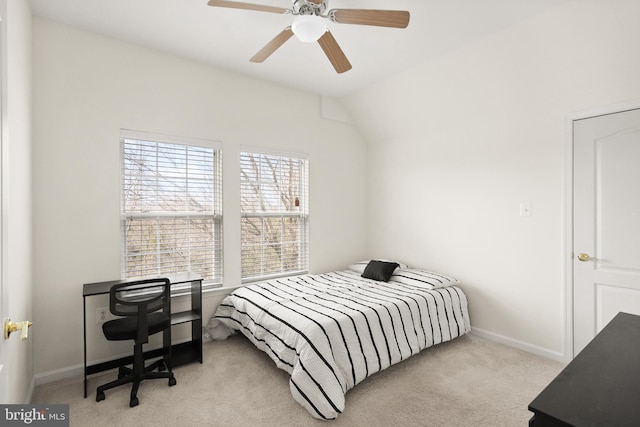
x: 601, y: 386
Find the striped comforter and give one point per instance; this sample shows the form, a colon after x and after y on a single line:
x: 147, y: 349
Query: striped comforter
x: 331, y: 331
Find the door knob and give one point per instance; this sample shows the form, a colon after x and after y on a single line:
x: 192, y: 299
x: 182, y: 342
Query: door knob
x: 583, y: 257
x: 10, y: 326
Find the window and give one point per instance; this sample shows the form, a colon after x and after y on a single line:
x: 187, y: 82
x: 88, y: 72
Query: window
x: 171, y: 208
x: 275, y: 215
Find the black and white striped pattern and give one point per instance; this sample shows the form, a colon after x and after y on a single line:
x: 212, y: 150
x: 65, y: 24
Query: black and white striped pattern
x: 331, y: 331
x: 418, y: 277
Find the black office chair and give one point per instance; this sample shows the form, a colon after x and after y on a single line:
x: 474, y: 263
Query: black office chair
x: 145, y: 307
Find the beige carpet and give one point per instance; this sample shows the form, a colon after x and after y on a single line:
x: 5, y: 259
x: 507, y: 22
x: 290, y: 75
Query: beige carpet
x: 467, y: 382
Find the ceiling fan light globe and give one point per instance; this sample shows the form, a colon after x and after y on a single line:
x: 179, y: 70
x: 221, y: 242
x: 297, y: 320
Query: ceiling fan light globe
x: 308, y: 28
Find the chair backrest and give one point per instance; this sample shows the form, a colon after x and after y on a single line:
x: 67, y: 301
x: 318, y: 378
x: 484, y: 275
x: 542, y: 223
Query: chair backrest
x: 139, y: 298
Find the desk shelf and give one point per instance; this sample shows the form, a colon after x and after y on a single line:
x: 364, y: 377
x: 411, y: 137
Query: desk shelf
x: 181, y: 353
x: 184, y: 317
x: 186, y: 352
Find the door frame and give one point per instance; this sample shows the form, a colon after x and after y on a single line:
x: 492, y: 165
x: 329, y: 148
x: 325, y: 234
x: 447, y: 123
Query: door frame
x: 568, y: 210
x: 4, y: 167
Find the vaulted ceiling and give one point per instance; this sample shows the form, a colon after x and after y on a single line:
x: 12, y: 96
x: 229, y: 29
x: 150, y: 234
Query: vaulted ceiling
x: 228, y: 37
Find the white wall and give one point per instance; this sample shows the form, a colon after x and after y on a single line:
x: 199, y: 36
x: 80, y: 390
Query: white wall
x: 16, y: 106
x: 457, y: 143
x: 86, y: 88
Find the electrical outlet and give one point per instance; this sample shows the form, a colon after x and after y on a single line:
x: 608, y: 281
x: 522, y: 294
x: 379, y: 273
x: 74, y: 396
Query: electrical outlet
x: 102, y: 314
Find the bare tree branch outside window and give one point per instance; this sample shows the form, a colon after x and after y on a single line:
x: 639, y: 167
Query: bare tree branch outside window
x: 274, y: 225
x: 171, y: 206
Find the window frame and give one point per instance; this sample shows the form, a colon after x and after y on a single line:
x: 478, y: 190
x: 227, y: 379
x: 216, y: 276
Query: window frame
x: 302, y: 214
x: 215, y: 215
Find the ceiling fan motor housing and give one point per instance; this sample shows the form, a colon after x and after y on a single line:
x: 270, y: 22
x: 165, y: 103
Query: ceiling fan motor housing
x: 309, y: 7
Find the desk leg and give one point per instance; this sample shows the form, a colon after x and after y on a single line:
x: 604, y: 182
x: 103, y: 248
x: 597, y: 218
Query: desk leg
x: 196, y: 325
x: 166, y: 348
x: 84, y: 323
x: 196, y: 341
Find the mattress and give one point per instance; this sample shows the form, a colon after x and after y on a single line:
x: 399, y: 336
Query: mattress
x: 331, y: 331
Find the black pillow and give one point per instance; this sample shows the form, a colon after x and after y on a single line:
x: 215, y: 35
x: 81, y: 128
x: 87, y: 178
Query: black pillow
x: 379, y: 270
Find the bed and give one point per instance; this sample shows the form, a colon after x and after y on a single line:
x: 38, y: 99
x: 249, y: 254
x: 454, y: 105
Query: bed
x: 331, y: 331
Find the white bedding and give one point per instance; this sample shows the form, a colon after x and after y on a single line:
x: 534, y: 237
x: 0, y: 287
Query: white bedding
x: 331, y: 331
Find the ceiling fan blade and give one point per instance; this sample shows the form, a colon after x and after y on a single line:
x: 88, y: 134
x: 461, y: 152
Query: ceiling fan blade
x: 380, y: 18
x: 247, y: 6
x: 274, y: 44
x: 334, y: 53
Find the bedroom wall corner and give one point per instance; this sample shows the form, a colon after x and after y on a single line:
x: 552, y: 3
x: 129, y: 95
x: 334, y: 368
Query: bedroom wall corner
x: 458, y: 143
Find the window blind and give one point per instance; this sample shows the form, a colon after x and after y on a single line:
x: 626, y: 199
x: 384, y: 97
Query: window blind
x: 275, y: 215
x: 171, y: 217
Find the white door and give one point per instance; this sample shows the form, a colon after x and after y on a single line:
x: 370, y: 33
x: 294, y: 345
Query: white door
x: 606, y: 221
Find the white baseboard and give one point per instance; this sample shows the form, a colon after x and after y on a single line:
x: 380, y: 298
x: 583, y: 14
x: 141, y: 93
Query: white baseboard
x: 59, y: 374
x: 530, y: 348
x: 78, y: 370
x: 32, y: 389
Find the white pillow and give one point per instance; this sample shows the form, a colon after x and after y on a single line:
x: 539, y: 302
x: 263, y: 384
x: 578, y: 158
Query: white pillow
x: 359, y: 266
x: 423, y: 278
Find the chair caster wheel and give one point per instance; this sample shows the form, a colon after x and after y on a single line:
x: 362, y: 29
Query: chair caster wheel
x: 100, y: 396
x: 133, y: 402
x: 172, y: 382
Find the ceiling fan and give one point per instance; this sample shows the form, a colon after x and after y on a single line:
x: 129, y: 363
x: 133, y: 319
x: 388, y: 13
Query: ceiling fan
x: 309, y: 25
